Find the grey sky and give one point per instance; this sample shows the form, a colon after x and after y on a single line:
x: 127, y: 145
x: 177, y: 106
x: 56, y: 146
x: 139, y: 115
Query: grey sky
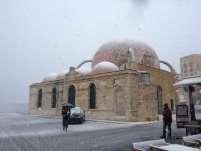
x: 38, y: 37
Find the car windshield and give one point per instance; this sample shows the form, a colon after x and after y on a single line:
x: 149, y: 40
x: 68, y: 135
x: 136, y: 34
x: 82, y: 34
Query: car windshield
x: 75, y: 110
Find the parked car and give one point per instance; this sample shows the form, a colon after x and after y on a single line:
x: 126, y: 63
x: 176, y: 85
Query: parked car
x: 77, y: 115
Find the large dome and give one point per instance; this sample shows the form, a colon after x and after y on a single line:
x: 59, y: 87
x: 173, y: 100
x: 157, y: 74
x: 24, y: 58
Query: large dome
x: 120, y: 53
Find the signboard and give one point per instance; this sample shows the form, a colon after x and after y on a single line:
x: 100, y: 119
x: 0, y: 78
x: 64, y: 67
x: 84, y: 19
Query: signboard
x: 182, y: 110
x: 182, y: 116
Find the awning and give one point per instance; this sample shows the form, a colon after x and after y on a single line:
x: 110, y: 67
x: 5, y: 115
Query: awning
x: 189, y: 81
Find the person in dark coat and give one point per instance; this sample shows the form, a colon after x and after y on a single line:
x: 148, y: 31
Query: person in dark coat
x: 66, y: 117
x: 167, y: 121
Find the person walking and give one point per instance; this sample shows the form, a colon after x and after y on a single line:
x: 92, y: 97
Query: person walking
x: 167, y: 121
x: 66, y: 117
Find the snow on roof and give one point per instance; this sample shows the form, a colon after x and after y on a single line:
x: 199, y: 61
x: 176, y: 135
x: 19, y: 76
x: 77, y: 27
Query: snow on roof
x: 104, y: 66
x: 62, y: 74
x: 189, y: 81
x: 83, y: 70
x: 35, y: 81
x: 50, y: 77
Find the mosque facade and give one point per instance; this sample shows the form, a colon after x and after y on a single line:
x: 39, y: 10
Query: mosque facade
x: 125, y: 83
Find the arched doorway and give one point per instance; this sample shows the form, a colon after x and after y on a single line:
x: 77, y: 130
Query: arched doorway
x: 40, y: 97
x: 160, y: 99
x: 92, y: 96
x: 71, y: 95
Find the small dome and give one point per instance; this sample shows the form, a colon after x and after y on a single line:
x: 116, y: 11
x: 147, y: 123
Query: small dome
x: 50, y: 77
x: 104, y: 67
x: 120, y: 53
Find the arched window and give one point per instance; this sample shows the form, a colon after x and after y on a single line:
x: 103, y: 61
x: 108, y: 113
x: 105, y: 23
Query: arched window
x: 71, y: 95
x: 92, y: 96
x: 54, y: 97
x: 160, y: 99
x: 40, y: 97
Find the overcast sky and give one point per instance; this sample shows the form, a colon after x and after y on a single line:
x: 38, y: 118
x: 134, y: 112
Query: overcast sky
x: 38, y: 37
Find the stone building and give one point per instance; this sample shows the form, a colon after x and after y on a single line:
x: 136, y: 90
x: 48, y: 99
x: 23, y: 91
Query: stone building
x: 191, y: 66
x: 190, y: 74
x: 125, y: 83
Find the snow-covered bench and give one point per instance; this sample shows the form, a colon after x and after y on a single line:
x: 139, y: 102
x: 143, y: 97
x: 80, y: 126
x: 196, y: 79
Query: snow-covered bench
x: 145, y: 146
x: 193, y: 141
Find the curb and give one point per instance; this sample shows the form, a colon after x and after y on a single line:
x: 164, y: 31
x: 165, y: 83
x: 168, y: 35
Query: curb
x: 120, y: 122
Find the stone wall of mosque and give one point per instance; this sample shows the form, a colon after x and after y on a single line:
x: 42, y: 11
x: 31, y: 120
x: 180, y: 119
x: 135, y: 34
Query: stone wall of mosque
x: 191, y: 66
x: 164, y: 80
x: 112, y: 95
x: 119, y: 96
x: 46, y: 108
x: 125, y: 95
x: 143, y: 105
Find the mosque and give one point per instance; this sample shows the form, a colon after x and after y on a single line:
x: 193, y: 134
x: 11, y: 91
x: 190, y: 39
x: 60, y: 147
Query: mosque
x: 125, y: 83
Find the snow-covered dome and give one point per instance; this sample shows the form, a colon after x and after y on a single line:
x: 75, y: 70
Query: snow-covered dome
x: 50, y: 77
x: 104, y: 67
x: 120, y: 53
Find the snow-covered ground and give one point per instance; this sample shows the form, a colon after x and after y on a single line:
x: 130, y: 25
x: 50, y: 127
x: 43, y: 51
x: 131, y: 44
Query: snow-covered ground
x: 13, y: 107
x: 17, y: 124
x: 21, y: 132
x: 14, y: 121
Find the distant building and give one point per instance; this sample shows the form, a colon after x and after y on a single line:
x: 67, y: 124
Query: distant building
x: 190, y: 74
x: 125, y: 83
x: 191, y: 66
